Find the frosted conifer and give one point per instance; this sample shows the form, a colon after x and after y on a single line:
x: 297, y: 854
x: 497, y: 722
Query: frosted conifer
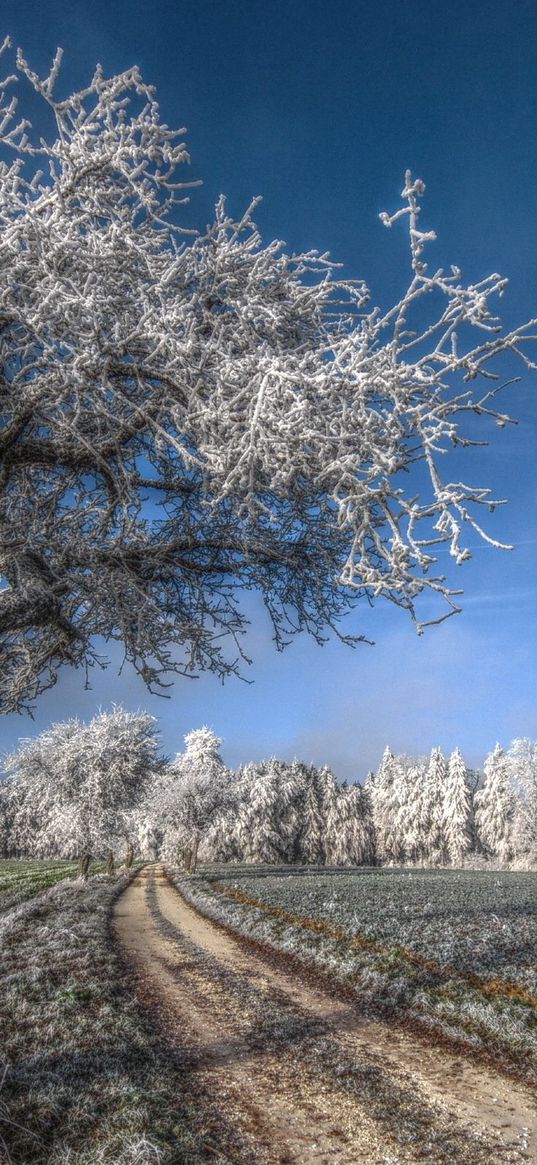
x: 495, y: 808
x: 411, y: 813
x: 258, y: 827
x: 433, y: 808
x: 349, y: 829
x: 328, y: 793
x: 383, y: 798
x: 457, y: 811
x: 522, y: 757
x: 313, y: 822
x: 293, y: 779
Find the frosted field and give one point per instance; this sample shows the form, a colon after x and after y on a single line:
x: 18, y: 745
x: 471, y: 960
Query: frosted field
x: 474, y: 921
x: 454, y: 950
x: 21, y: 879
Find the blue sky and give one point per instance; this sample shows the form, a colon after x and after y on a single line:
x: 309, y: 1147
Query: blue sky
x: 320, y: 107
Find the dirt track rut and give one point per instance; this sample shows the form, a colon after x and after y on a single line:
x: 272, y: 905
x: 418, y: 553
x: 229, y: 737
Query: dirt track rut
x: 302, y: 1076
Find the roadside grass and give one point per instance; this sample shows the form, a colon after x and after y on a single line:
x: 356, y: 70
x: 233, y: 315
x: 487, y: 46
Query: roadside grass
x: 455, y: 954
x: 85, y: 1078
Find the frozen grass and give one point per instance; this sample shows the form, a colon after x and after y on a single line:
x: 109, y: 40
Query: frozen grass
x: 22, y: 878
x: 86, y: 1080
x: 481, y: 922
x: 454, y: 950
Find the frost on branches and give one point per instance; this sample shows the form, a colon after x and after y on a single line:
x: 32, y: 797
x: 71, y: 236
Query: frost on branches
x: 78, y: 788
x: 91, y: 788
x: 495, y: 806
x: 185, y: 417
x: 185, y: 799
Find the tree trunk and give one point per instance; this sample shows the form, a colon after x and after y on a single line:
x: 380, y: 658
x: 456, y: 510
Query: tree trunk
x: 110, y: 864
x: 194, y: 856
x: 83, y: 865
x: 129, y: 856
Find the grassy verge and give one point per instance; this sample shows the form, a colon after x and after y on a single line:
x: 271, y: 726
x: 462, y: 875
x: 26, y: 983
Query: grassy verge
x: 494, y: 1018
x: 86, y: 1079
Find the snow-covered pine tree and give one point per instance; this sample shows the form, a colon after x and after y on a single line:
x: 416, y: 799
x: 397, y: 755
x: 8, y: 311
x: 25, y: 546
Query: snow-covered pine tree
x: 382, y: 799
x: 422, y: 819
x: 399, y: 811
x: 258, y: 825
x: 293, y: 780
x: 458, y: 811
x: 348, y: 826
x: 313, y: 822
x: 522, y: 758
x: 495, y: 808
x: 410, y: 812
x: 433, y: 809
x: 387, y: 793
x: 368, y: 803
x: 366, y: 811
x: 219, y: 842
x: 328, y: 793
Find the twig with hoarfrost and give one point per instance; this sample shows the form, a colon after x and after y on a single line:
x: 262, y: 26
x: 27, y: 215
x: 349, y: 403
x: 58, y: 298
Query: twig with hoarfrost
x: 186, y: 416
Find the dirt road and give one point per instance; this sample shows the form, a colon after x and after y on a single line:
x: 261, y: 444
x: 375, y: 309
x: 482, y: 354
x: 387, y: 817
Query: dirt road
x: 301, y: 1075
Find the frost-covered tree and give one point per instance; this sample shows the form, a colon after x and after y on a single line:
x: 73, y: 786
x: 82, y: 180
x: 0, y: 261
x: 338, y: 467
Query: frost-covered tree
x: 400, y: 800
x: 384, y: 802
x: 368, y: 807
x: 313, y: 823
x: 293, y: 781
x: 328, y: 793
x: 422, y: 809
x: 458, y: 825
x: 411, y: 813
x: 185, y: 799
x: 495, y: 808
x: 259, y: 824
x: 7, y: 814
x: 78, y: 788
x: 398, y: 812
x: 279, y: 813
x: 181, y: 418
x: 522, y: 757
x: 433, y: 809
x: 349, y: 829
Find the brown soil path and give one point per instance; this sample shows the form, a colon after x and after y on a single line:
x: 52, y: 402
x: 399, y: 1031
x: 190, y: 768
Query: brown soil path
x: 301, y: 1075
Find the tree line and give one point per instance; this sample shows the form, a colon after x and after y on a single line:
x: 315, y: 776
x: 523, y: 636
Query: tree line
x: 103, y: 789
